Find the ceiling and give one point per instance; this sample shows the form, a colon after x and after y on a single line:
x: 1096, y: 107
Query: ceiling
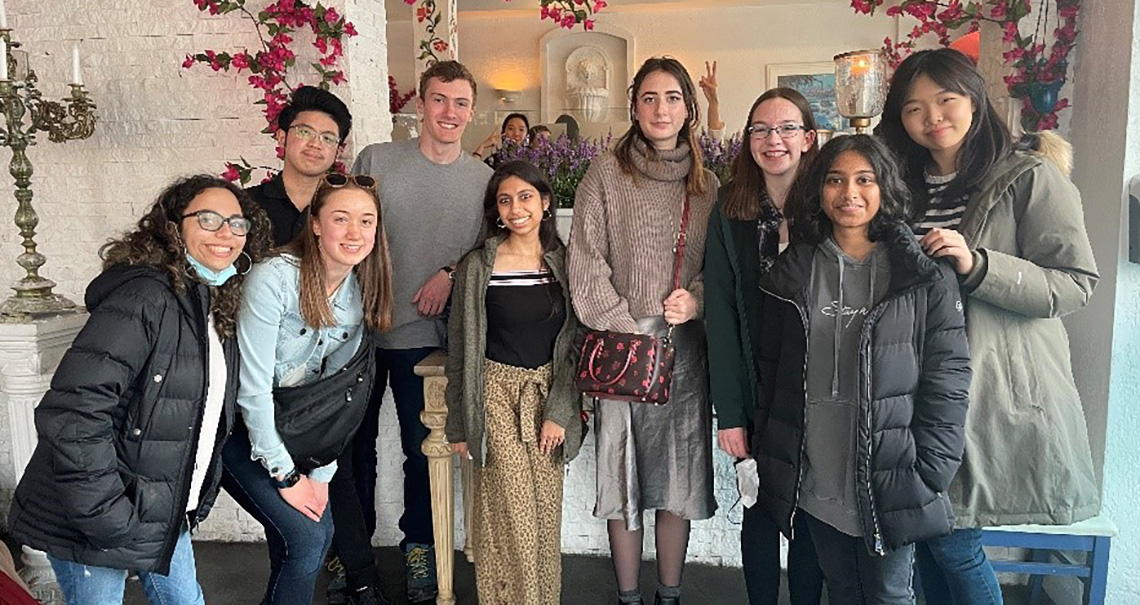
x: 398, y: 10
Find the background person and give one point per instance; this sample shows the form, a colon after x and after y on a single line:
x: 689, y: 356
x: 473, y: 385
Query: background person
x: 117, y: 481
x: 1012, y: 225
x: 512, y: 406
x: 302, y: 318
x: 747, y: 231
x: 864, y: 373
x: 515, y: 128
x: 627, y: 216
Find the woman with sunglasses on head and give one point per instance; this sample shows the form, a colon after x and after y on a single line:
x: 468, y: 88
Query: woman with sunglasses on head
x: 130, y: 433
x: 512, y: 407
x: 304, y: 313
x: 629, y: 211
x: 1011, y: 223
x: 747, y: 231
x: 863, y: 378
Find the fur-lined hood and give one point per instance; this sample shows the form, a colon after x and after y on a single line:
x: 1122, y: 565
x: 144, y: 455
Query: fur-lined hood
x: 1049, y: 145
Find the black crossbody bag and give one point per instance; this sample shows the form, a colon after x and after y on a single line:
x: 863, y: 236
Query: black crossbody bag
x: 317, y: 421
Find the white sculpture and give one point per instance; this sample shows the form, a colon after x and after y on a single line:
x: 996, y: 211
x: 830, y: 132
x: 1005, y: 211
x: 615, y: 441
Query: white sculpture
x: 587, y: 82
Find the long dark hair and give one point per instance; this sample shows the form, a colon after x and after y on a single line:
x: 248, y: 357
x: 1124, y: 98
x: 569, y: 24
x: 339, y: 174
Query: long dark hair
x: 987, y: 141
x: 547, y: 233
x: 374, y: 273
x: 157, y: 242
x: 511, y: 116
x: 748, y: 187
x: 697, y: 181
x: 813, y: 226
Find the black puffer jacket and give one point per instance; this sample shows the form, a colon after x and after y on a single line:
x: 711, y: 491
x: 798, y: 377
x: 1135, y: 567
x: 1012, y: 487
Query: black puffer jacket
x: 914, y: 384
x: 108, y: 482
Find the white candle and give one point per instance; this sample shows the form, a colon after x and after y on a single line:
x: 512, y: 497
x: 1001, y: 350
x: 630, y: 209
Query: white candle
x: 3, y: 59
x: 76, y: 77
x: 3, y: 16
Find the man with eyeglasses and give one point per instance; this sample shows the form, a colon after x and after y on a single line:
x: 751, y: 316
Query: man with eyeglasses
x: 312, y: 128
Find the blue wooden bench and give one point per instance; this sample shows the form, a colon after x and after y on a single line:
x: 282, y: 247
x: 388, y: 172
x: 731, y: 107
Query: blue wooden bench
x: 1049, y: 547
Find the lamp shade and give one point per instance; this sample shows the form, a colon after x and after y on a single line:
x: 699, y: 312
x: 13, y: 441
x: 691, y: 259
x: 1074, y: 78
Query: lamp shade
x: 860, y: 83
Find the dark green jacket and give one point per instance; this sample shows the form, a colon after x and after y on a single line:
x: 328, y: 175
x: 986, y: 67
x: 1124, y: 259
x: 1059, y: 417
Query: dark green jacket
x: 467, y: 348
x: 733, y: 267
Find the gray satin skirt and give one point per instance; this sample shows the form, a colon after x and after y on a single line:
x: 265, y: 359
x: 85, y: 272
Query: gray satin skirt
x: 659, y: 456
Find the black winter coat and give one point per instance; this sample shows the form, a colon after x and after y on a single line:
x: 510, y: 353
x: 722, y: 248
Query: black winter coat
x: 109, y: 481
x: 914, y: 385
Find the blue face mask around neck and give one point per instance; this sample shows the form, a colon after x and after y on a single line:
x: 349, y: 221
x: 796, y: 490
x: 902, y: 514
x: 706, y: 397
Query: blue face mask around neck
x: 208, y: 275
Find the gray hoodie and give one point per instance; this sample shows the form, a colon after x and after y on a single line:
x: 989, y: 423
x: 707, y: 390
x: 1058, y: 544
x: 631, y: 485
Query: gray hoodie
x: 843, y: 292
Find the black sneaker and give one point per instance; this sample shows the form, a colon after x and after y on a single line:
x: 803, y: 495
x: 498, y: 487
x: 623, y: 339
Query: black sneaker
x: 337, y: 590
x: 419, y: 560
x: 368, y: 596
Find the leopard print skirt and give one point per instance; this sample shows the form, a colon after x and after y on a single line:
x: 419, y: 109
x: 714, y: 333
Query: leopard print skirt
x: 517, y: 530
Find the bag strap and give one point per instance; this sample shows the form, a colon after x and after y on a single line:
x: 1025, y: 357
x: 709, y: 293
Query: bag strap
x: 679, y: 249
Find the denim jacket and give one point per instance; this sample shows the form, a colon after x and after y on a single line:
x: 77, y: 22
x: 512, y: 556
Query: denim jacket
x: 279, y: 349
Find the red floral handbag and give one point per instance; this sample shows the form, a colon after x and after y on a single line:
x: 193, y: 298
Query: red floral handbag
x: 631, y: 367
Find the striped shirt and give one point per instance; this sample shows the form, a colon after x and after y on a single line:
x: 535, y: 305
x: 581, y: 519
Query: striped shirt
x: 940, y: 213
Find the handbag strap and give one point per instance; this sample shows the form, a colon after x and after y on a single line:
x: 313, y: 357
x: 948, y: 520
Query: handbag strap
x: 679, y: 249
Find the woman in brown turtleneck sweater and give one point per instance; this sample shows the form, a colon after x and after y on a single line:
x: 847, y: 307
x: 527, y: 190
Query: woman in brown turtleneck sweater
x: 627, y: 215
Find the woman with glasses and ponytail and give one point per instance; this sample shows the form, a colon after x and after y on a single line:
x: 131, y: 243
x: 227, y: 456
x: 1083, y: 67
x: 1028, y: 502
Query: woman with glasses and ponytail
x: 629, y: 211
x: 747, y: 231
x: 303, y: 316
x: 130, y: 433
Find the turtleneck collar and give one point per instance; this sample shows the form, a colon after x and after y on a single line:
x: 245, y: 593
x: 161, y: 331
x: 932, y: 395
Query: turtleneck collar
x: 669, y: 165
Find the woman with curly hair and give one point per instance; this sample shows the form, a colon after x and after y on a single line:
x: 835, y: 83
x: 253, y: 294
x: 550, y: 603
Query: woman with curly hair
x: 131, y: 431
x: 863, y: 378
x: 304, y: 314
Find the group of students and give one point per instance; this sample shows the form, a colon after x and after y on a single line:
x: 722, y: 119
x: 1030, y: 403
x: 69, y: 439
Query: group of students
x: 876, y: 323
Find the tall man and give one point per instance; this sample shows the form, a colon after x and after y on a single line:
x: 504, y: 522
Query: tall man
x: 312, y: 128
x: 432, y: 198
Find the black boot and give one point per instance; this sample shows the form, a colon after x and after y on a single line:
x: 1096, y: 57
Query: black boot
x: 660, y: 600
x: 368, y: 596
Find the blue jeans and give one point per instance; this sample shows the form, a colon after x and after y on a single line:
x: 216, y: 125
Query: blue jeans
x: 954, y: 570
x: 396, y: 368
x: 297, y: 545
x: 760, y: 553
x: 857, y: 577
x: 89, y: 585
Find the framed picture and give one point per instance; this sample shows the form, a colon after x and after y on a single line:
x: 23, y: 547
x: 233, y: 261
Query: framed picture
x: 816, y: 81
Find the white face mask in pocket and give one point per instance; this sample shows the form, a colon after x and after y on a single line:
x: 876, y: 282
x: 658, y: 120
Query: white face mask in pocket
x: 747, y: 481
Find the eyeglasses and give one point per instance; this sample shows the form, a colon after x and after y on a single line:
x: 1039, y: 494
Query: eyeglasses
x: 305, y: 133
x: 212, y: 221
x: 786, y: 131
x: 337, y: 180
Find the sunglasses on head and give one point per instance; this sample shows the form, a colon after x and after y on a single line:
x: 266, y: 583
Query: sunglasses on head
x: 336, y: 180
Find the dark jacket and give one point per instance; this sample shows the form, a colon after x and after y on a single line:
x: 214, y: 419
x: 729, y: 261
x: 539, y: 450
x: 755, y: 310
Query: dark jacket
x: 467, y: 346
x: 737, y: 254
x: 108, y: 482
x: 914, y: 380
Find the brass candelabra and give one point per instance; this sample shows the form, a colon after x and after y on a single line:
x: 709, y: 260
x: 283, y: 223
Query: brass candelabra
x: 26, y: 113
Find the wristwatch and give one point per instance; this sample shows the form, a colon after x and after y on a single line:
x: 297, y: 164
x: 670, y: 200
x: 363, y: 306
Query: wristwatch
x: 288, y: 480
x: 450, y: 271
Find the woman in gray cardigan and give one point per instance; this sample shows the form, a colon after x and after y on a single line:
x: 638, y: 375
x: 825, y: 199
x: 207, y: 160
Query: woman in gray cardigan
x: 512, y: 407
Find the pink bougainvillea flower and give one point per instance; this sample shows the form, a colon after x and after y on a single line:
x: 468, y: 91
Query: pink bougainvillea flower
x: 240, y: 61
x: 350, y: 29
x: 232, y: 173
x: 189, y: 62
x: 331, y: 16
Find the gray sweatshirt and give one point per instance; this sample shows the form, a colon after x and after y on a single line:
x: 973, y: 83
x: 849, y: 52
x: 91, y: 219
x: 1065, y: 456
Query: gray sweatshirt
x: 432, y: 216
x: 843, y: 292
